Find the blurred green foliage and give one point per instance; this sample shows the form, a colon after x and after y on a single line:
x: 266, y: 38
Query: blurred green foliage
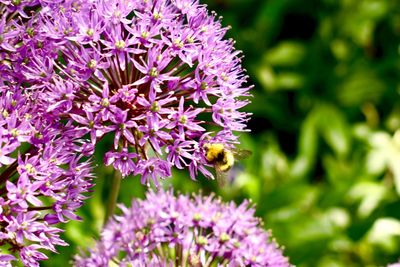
x: 325, y: 170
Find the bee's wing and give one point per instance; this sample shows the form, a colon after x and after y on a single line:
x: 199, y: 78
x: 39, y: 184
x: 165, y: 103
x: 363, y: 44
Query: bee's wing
x: 222, y: 176
x: 241, y: 153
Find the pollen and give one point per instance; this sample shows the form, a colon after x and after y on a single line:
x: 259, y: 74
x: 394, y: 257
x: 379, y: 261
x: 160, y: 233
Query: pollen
x: 5, y: 113
x: 92, y: 64
x: 90, y: 32
x: 153, y: 72
x: 14, y: 132
x: 190, y: 40
x: 224, y: 77
x: 105, y: 102
x: 204, y: 86
x: 202, y: 241
x: 117, y: 14
x: 157, y: 16
x: 183, y: 119
x: 144, y: 34
x: 224, y: 237
x: 155, y: 106
x: 120, y: 44
x: 29, y: 168
x: 30, y: 32
x: 196, y: 217
x: 178, y: 43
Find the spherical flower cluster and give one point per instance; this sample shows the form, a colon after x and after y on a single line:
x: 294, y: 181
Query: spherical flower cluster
x: 43, y: 176
x: 164, y: 230
x: 43, y: 170
x: 155, y: 74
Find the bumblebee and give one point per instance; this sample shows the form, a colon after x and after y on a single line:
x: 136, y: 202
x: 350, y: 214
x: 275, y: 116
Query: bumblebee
x: 223, y: 159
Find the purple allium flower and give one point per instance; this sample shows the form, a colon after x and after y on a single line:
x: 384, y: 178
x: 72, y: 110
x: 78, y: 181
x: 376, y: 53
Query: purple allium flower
x: 42, y: 177
x: 164, y: 230
x: 43, y: 170
x: 152, y: 73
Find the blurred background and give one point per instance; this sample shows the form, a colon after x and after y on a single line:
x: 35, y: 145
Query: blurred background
x: 325, y: 170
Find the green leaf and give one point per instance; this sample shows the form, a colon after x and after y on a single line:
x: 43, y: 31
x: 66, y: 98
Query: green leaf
x: 370, y: 195
x: 308, y: 142
x: 285, y: 54
x: 360, y: 87
x: 334, y: 129
x: 289, y: 80
x: 386, y: 233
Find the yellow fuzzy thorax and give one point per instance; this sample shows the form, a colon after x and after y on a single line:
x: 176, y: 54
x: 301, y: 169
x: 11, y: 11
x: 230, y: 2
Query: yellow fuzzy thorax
x: 213, y: 151
x: 218, y: 155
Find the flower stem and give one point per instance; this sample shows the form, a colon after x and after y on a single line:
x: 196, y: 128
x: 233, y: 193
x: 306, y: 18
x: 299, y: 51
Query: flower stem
x: 7, y: 173
x: 40, y: 208
x: 112, y: 200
